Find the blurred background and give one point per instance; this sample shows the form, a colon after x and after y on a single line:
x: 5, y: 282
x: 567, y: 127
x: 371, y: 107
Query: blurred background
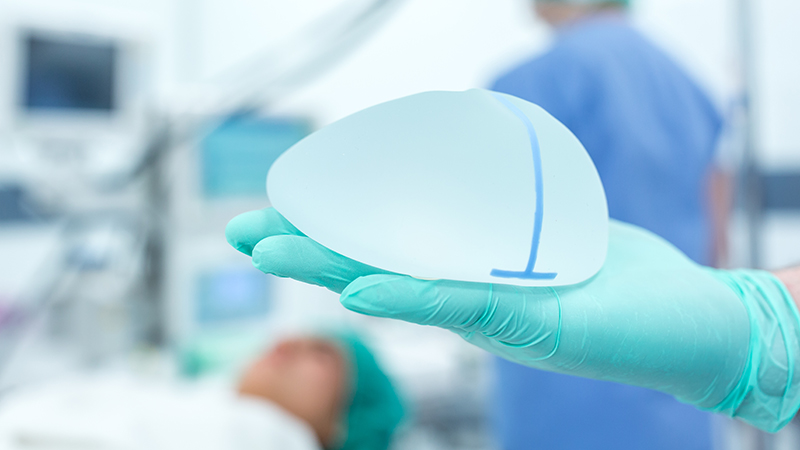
x: 131, y: 131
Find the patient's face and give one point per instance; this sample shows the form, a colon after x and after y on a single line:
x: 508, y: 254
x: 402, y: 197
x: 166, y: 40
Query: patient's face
x: 307, y: 377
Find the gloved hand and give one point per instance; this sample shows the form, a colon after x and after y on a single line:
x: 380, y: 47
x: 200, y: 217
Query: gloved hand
x: 725, y: 341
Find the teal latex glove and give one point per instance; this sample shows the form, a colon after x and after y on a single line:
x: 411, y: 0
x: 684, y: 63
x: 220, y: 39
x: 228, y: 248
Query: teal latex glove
x: 725, y: 341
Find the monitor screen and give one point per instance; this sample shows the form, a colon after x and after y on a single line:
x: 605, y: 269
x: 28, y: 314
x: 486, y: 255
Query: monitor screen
x: 231, y: 294
x: 68, y: 74
x: 238, y: 153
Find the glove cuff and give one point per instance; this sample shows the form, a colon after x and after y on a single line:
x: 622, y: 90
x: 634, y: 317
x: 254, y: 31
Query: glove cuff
x: 768, y: 393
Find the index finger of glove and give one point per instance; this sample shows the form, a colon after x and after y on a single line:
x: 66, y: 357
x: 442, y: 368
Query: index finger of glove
x: 438, y: 303
x: 246, y: 230
x: 303, y: 259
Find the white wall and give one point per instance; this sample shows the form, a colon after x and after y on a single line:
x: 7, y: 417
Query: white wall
x: 428, y: 45
x: 431, y: 44
x: 778, y: 81
x: 700, y: 34
x: 451, y: 44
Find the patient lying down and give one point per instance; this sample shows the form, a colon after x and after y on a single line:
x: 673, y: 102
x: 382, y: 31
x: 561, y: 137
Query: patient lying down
x: 305, y: 393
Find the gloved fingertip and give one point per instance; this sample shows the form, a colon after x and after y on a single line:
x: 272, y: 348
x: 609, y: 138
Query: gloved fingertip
x: 238, y: 232
x: 364, y: 293
x: 268, y: 255
x: 289, y: 256
x: 246, y: 230
x: 240, y: 247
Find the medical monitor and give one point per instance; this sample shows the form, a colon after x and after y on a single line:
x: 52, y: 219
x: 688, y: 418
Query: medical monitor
x: 78, y: 85
x: 68, y: 74
x: 78, y: 94
x: 237, y: 154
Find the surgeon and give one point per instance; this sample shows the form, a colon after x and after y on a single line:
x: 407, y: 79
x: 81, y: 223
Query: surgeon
x: 723, y: 341
x: 313, y: 392
x: 651, y: 132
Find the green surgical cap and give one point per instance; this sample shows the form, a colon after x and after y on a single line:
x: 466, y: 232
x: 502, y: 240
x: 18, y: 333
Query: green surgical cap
x: 375, y: 409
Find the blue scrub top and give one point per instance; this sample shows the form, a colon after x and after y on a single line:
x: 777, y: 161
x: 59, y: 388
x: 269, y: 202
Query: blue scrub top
x: 651, y: 132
